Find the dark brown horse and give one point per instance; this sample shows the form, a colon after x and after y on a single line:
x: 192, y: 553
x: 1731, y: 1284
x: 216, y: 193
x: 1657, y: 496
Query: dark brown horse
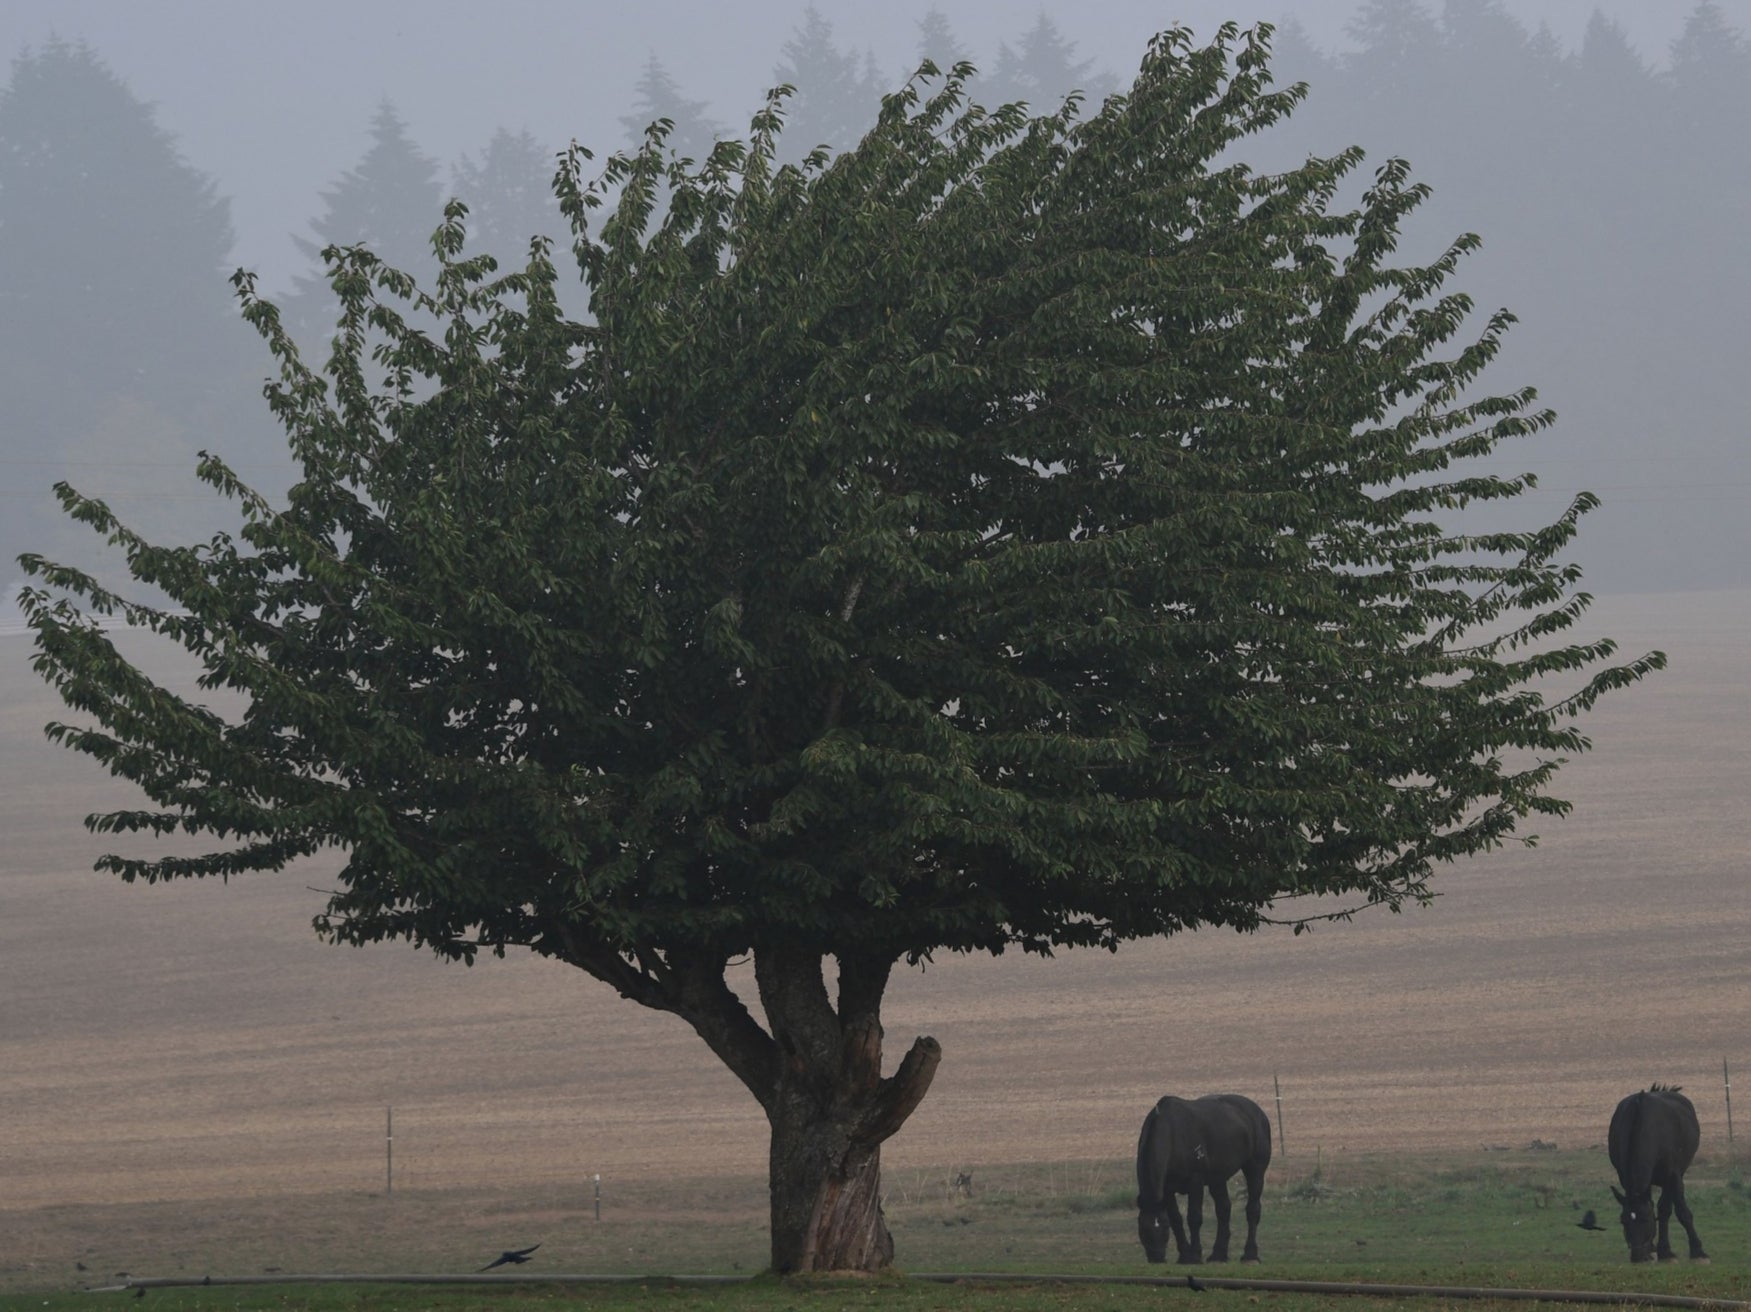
x: 1187, y: 1147
x: 1652, y: 1140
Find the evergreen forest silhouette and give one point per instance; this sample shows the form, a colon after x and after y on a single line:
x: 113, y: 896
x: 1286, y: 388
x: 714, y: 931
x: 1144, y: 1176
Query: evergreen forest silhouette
x: 1612, y: 192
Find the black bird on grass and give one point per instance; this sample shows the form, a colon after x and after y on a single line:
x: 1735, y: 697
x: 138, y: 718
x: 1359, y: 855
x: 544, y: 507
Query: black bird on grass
x: 510, y: 1257
x: 1193, y: 1284
x: 1588, y: 1221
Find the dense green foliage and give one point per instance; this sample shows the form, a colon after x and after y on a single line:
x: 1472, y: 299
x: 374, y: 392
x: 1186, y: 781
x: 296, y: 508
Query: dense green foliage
x: 1021, y: 531
x: 1015, y: 531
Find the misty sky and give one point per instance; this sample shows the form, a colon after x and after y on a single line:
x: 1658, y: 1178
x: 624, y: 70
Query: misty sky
x: 275, y: 101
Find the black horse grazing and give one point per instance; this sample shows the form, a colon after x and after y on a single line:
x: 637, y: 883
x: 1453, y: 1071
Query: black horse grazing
x: 1186, y: 1147
x: 1652, y: 1139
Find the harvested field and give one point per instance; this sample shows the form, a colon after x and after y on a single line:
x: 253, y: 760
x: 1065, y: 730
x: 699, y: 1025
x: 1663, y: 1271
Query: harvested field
x: 197, y: 1043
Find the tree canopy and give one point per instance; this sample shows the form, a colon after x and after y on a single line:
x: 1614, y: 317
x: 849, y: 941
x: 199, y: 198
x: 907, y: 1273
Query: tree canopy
x: 1020, y: 531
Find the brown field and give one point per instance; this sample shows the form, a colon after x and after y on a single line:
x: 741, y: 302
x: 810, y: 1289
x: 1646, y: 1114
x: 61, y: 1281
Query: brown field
x: 195, y: 1052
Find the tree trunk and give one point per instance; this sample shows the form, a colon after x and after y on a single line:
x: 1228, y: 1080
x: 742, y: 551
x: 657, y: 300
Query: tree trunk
x: 826, y: 1196
x: 816, y: 1069
x: 830, y: 1110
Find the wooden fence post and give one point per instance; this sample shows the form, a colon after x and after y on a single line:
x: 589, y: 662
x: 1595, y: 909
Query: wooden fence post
x: 1281, y: 1146
x: 1727, y: 1083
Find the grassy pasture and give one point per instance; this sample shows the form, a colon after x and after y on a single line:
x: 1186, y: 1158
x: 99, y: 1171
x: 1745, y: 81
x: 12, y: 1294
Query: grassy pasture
x: 190, y: 1084
x: 1493, y: 1219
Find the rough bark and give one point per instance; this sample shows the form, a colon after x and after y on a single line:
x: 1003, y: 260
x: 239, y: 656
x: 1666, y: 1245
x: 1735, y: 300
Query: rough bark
x: 816, y: 1070
x: 831, y: 1110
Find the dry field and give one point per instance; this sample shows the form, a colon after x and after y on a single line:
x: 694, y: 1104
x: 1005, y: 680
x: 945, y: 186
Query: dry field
x: 196, y: 1048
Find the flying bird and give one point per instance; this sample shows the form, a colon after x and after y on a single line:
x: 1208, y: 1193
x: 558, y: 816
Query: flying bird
x: 1588, y: 1221
x: 510, y: 1257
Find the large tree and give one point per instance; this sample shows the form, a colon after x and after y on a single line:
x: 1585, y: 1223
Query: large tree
x: 1019, y: 532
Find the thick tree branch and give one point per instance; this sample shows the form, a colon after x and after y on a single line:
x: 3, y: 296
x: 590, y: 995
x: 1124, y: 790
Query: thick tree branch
x: 693, y: 989
x: 794, y: 995
x: 720, y: 1017
x: 899, y: 1095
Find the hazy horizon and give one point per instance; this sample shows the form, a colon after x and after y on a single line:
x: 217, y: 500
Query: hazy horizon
x: 1611, y: 202
x: 273, y: 107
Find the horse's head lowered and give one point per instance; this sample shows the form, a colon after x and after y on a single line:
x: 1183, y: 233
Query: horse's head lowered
x: 1638, y: 1223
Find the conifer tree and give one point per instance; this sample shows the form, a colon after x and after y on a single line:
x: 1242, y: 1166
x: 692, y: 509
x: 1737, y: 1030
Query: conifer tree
x: 1023, y: 532
x: 834, y: 91
x: 1042, y: 69
x: 1710, y: 78
x: 1396, y: 72
x: 119, y: 345
x: 509, y: 194
x: 385, y: 202
x: 658, y: 96
x: 938, y: 43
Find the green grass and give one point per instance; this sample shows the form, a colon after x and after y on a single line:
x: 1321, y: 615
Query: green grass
x: 1485, y: 1219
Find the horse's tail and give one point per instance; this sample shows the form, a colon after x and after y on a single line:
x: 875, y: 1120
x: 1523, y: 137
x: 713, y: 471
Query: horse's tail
x: 1263, y: 1138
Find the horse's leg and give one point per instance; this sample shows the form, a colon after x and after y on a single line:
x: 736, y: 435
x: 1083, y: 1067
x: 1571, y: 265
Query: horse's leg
x: 1255, y: 1190
x: 1175, y: 1225
x: 1219, y: 1196
x: 1194, y: 1249
x: 1663, y: 1250
x: 1676, y: 1193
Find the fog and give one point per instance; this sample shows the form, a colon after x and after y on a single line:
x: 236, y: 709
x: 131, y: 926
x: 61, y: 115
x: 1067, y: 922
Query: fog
x: 146, y: 149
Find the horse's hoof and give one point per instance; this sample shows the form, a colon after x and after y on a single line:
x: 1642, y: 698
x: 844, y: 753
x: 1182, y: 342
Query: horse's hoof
x: 1701, y: 1259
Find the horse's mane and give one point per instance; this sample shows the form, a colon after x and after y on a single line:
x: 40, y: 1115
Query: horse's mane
x: 1657, y: 1087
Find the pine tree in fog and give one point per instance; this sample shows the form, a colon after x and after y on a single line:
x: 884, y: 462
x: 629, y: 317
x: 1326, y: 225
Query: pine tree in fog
x: 391, y: 201
x: 1042, y: 69
x: 1392, y: 80
x: 938, y: 43
x: 1710, y: 79
x: 120, y: 348
x: 658, y: 96
x: 509, y: 194
x: 837, y: 93
x: 1296, y: 59
x: 1614, y: 129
